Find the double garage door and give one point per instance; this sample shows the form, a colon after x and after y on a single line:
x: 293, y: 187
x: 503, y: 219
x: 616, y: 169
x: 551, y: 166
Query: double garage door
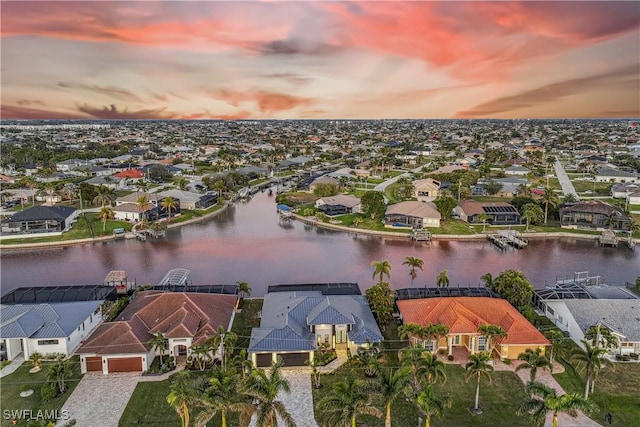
x: 123, y: 364
x: 288, y: 359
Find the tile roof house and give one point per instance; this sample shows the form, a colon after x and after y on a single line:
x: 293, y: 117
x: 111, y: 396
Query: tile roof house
x: 41, y: 219
x: 412, y: 214
x: 295, y: 324
x: 463, y: 316
x: 47, y: 328
x: 185, y: 319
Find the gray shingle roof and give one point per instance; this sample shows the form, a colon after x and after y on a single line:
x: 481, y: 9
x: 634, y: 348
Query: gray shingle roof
x: 40, y: 213
x: 44, y: 320
x: 620, y: 315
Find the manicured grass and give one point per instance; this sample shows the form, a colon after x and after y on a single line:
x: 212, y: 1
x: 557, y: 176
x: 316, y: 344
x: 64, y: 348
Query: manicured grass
x: 601, y: 188
x: 21, y: 380
x: 148, y: 406
x: 616, y: 391
x: 499, y: 401
x: 245, y: 320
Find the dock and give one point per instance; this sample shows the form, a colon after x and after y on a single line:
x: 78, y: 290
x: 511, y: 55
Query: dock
x: 608, y: 238
x: 421, y: 235
x: 513, y: 238
x: 498, y: 240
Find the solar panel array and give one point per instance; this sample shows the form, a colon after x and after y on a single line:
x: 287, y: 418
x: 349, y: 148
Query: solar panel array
x: 499, y: 209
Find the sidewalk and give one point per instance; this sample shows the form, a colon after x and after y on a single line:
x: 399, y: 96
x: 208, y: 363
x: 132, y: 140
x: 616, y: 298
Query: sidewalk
x: 11, y: 367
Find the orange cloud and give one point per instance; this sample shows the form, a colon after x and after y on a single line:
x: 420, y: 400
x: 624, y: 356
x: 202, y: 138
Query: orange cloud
x: 10, y: 112
x: 267, y: 102
x: 113, y: 113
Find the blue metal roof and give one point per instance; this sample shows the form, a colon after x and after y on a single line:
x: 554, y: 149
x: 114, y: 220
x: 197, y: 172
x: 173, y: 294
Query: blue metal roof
x: 44, y: 320
x: 325, y: 314
x: 282, y: 339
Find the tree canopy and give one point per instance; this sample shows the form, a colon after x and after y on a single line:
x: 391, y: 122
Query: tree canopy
x: 513, y: 286
x: 373, y: 204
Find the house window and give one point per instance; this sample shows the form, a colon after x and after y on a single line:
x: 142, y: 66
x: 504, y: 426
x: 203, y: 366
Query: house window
x: 456, y: 340
x: 482, y: 343
x: 428, y: 345
x: 47, y: 342
x: 550, y: 311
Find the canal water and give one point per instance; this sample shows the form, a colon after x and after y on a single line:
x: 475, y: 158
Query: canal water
x: 249, y: 243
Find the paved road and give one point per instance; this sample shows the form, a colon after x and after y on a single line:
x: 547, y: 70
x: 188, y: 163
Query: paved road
x: 565, y: 183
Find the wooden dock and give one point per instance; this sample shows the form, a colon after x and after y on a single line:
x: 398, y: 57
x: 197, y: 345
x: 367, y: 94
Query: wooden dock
x: 608, y: 238
x: 498, y: 240
x: 421, y: 235
x: 513, y: 238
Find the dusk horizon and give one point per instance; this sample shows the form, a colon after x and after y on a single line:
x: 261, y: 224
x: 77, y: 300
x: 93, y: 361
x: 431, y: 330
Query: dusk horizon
x: 320, y: 60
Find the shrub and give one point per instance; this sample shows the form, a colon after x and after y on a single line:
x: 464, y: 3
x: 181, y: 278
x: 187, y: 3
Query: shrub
x: 506, y: 361
x: 49, y: 391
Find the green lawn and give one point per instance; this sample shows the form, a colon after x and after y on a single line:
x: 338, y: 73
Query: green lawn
x: 616, y: 391
x: 245, y: 320
x: 22, y: 380
x: 498, y: 400
x: 148, y: 406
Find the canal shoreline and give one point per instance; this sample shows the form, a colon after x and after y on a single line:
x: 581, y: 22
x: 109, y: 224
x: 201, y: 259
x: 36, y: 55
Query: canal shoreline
x: 305, y: 220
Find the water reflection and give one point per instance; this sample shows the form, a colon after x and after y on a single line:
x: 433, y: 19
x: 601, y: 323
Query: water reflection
x: 249, y: 242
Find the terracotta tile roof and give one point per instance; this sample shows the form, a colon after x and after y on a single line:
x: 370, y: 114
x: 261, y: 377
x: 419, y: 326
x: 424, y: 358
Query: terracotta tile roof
x: 463, y: 315
x: 174, y: 314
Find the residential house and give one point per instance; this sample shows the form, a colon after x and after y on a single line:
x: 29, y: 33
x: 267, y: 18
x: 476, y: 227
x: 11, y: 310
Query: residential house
x: 41, y: 219
x: 127, y: 208
x: 339, y: 204
x: 324, y: 180
x: 620, y: 191
x: 464, y: 315
x: 426, y: 190
x: 296, y: 324
x: 509, y: 188
x: 185, y: 319
x: 594, y: 214
x: 516, y: 170
x: 49, y: 329
x: 496, y: 213
x: 634, y: 198
x: 621, y: 316
x: 190, y: 200
x: 412, y: 214
x: 608, y: 174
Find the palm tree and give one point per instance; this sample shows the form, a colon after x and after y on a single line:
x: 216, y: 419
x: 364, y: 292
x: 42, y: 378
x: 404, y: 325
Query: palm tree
x: 169, y: 203
x: 543, y: 399
x: 383, y: 268
x: 264, y: 387
x: 413, y: 263
x: 478, y: 367
x: 200, y: 354
x: 532, y: 361
x: 60, y: 372
x: 433, y: 368
x: 430, y: 405
x: 141, y: 186
x: 532, y: 213
x: 182, y: 395
x: 437, y: 331
x: 442, y: 281
x: 158, y: 343
x: 590, y: 361
x: 490, y: 332
x: 346, y: 400
x: 143, y: 205
x: 487, y: 279
x: 393, y: 385
x: 549, y: 198
x: 244, y: 290
x: 105, y: 196
x: 224, y: 341
x: 601, y: 336
x: 483, y: 219
x: 224, y: 394
x: 36, y: 361
x: 367, y: 358
x: 241, y: 363
x: 411, y: 330
x: 106, y: 213
x: 558, y: 343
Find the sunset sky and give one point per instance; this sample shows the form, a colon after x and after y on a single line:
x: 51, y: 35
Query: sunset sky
x: 290, y: 60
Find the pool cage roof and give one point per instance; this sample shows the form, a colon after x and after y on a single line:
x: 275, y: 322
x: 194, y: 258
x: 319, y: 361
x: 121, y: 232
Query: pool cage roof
x: 53, y: 294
